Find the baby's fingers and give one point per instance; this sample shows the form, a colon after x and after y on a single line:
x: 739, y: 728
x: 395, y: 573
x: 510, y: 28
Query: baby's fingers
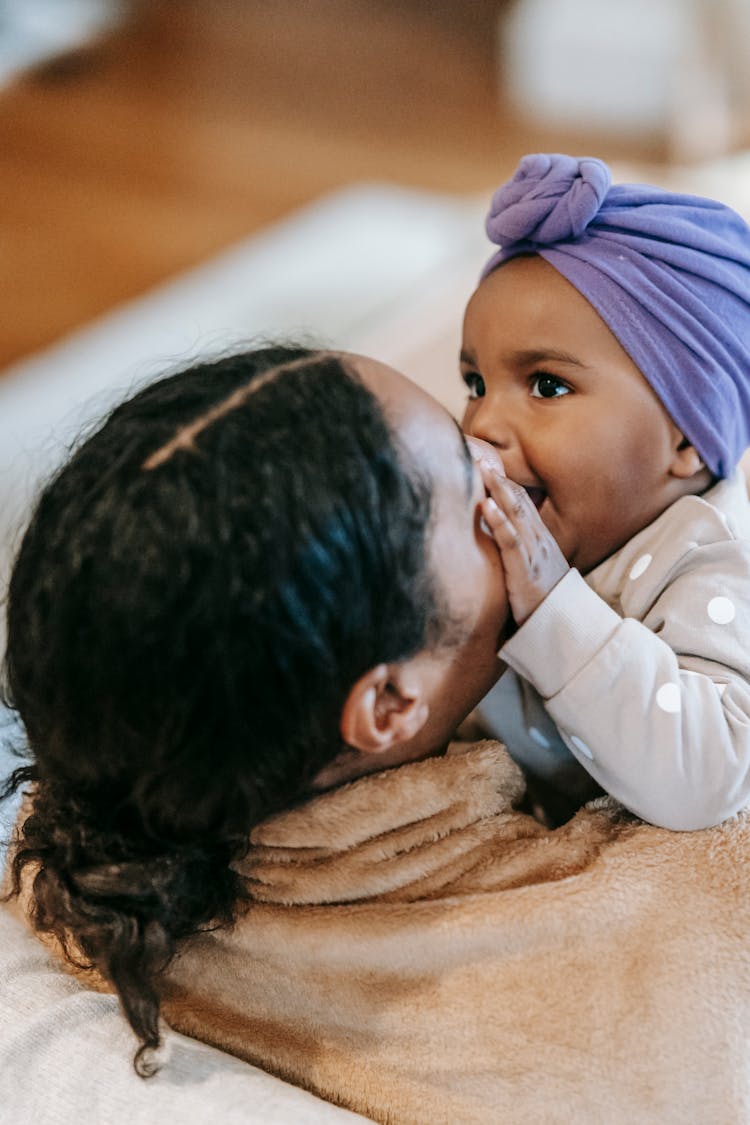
x: 502, y: 530
x: 532, y: 560
x: 511, y: 499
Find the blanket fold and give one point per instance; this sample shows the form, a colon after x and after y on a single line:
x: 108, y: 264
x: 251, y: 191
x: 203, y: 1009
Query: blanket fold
x: 421, y: 952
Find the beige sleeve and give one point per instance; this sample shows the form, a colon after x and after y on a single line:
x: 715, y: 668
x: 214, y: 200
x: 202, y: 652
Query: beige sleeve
x: 658, y: 711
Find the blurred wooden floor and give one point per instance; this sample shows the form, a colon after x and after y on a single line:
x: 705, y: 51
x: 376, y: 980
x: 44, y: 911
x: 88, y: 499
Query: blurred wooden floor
x: 200, y: 121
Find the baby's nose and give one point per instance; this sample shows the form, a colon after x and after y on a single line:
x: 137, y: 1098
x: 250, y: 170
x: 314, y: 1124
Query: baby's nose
x: 491, y: 420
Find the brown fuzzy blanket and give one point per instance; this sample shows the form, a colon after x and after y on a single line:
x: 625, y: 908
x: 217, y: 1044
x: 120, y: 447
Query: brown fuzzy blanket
x: 422, y: 953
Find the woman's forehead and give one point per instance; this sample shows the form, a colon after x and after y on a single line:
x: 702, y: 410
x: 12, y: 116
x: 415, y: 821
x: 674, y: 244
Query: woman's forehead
x: 409, y: 408
x: 431, y: 437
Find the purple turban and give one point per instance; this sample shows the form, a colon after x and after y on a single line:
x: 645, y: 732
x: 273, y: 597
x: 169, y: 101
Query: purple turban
x: 669, y: 274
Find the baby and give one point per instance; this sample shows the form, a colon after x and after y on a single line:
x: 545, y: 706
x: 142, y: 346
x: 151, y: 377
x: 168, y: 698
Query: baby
x: 606, y: 355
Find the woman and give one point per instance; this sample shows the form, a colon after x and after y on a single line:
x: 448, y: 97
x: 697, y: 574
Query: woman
x: 262, y: 581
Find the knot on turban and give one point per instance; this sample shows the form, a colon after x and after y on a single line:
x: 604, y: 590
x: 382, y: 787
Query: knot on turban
x: 668, y: 273
x: 551, y: 197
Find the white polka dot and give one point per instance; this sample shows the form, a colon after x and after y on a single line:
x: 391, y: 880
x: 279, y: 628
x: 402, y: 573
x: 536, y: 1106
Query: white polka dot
x: 581, y: 746
x: 640, y: 566
x: 539, y: 738
x: 668, y: 698
x: 721, y: 688
x: 721, y: 610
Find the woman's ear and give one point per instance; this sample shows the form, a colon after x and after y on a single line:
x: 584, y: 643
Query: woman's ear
x: 686, y: 461
x: 385, y: 708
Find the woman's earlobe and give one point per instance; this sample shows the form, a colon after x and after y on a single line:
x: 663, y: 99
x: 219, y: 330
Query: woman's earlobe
x: 383, y: 709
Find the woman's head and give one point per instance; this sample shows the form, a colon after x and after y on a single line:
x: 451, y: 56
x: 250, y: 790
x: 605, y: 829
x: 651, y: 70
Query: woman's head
x: 202, y: 577
x: 666, y: 278
x: 199, y: 592
x: 408, y: 710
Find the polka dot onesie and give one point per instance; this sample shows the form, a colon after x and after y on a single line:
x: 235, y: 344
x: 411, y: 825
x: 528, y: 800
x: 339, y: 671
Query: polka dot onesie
x: 638, y: 676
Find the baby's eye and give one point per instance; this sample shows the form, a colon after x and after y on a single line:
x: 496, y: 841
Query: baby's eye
x: 474, y: 383
x: 548, y: 386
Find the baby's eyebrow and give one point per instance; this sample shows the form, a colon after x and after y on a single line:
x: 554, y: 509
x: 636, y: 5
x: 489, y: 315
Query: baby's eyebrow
x: 540, y: 355
x: 468, y: 461
x: 529, y: 356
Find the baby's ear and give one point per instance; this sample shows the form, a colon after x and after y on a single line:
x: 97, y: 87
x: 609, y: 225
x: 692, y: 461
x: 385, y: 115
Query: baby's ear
x: 687, y: 461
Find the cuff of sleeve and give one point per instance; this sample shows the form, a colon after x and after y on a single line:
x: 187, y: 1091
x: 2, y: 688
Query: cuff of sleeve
x: 561, y: 636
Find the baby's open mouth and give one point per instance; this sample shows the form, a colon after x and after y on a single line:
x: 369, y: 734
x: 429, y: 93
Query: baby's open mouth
x: 537, y: 496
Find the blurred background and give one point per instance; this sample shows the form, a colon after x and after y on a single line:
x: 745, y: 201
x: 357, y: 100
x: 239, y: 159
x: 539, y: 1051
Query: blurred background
x: 179, y: 176
x: 139, y: 138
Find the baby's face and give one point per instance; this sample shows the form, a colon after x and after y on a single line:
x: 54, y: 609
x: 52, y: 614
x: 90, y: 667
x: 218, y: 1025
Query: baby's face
x: 572, y: 417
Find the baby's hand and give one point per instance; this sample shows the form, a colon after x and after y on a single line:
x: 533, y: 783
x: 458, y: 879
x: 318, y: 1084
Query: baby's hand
x: 532, y: 560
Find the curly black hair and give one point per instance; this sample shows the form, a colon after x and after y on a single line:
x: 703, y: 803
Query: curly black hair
x: 197, y: 591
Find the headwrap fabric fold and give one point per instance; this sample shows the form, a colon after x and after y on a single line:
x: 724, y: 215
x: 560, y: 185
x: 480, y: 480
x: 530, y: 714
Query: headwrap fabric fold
x: 668, y: 273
